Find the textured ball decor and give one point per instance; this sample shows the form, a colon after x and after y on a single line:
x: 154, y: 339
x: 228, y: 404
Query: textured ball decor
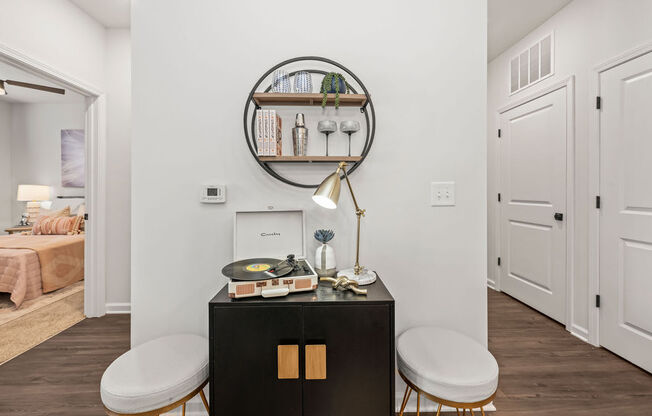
x: 280, y: 81
x: 303, y: 82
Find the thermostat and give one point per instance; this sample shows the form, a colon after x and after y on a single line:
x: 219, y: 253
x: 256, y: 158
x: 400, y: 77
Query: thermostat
x: 213, y: 194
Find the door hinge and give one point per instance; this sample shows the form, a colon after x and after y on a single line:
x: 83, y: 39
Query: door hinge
x: 499, y: 261
x: 498, y: 196
x: 597, y: 301
x: 86, y: 217
x: 499, y: 132
x: 597, y: 201
x: 598, y: 102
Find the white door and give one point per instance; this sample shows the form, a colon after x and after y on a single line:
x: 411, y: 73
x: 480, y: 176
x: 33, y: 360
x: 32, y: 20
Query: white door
x: 533, y: 191
x: 626, y: 210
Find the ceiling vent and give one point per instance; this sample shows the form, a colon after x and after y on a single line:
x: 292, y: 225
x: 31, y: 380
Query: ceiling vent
x: 532, y: 65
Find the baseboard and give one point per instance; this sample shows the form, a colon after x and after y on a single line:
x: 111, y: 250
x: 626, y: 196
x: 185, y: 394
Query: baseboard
x: 579, y: 332
x: 491, y: 284
x: 118, y: 307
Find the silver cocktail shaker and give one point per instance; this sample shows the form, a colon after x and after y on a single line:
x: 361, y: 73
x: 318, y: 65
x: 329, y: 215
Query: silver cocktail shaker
x: 300, y: 136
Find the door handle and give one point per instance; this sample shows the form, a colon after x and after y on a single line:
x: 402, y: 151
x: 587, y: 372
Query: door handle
x: 288, y: 361
x: 316, y: 362
x: 559, y: 216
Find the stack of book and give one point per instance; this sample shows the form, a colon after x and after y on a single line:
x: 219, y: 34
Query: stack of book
x: 268, y: 133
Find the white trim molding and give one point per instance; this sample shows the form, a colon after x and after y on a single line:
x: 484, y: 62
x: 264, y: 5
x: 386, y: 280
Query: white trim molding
x: 593, y: 335
x: 569, y: 84
x: 95, y: 253
x: 118, y: 308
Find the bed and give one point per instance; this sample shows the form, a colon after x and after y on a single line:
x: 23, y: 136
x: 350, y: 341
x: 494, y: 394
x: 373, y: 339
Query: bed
x: 31, y: 265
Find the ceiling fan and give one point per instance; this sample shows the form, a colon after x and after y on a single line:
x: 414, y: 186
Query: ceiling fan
x: 3, y: 87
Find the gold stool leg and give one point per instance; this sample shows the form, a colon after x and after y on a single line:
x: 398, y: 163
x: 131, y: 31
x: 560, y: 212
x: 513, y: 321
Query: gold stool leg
x: 439, y: 409
x: 418, y: 402
x: 458, y: 411
x: 406, y: 397
x: 183, y: 409
x: 482, y: 410
x: 471, y: 410
x: 203, y: 399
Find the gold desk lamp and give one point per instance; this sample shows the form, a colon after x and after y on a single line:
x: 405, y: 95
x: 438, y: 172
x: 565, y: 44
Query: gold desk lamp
x: 327, y: 195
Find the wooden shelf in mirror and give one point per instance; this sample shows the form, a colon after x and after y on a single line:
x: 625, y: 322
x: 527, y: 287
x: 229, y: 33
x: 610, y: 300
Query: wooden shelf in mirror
x: 274, y: 98
x: 309, y: 159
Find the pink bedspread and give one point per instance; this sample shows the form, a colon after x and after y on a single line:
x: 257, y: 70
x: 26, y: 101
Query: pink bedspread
x: 20, y: 274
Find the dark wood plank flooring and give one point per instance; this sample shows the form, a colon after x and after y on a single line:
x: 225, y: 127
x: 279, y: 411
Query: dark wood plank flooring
x: 544, y: 370
x: 62, y: 375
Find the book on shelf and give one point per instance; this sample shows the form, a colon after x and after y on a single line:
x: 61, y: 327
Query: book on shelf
x: 259, y: 132
x: 275, y: 140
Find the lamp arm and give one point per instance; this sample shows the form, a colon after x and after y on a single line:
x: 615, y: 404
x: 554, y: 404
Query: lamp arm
x: 358, y: 211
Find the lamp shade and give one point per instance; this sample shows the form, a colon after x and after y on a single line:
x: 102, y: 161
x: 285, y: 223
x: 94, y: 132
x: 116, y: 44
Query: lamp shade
x: 328, y: 192
x: 33, y: 193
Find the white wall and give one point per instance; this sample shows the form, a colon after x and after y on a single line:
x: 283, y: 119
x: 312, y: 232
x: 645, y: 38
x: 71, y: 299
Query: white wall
x: 193, y: 66
x: 36, y: 146
x: 587, y: 33
x: 118, y: 169
x: 7, y: 196
x: 57, y: 33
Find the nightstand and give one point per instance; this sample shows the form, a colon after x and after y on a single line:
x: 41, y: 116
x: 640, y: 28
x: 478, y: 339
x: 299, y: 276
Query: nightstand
x: 18, y: 229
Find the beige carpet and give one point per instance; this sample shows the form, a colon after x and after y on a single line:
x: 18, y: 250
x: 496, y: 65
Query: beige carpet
x: 38, y: 319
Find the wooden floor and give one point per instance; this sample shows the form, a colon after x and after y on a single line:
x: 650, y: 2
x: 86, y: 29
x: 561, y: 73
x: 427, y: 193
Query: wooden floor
x: 543, y: 369
x: 62, y: 375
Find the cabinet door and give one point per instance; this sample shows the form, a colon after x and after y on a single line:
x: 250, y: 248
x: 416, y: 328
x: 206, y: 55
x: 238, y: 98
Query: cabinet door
x: 358, y: 359
x: 245, y: 356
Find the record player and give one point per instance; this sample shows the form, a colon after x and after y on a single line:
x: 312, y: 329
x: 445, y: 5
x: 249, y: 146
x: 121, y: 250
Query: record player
x: 269, y: 252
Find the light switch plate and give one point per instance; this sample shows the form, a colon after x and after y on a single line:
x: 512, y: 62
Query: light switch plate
x: 442, y: 194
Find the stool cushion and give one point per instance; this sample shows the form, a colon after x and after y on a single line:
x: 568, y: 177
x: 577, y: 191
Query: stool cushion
x: 155, y: 374
x: 447, y: 364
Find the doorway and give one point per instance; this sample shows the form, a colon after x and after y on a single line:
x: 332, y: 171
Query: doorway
x: 625, y: 209
x: 535, y: 208
x: 95, y: 126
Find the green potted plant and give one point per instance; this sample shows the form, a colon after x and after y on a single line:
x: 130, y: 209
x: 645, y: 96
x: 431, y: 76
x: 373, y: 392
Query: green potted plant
x: 333, y: 83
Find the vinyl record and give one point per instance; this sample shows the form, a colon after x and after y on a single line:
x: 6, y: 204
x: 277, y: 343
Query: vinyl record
x: 250, y: 269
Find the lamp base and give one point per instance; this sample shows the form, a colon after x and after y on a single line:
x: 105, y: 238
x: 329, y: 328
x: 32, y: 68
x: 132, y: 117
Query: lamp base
x: 33, y: 210
x: 366, y: 276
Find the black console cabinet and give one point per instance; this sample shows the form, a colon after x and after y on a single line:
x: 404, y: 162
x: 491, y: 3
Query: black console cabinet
x: 356, y: 338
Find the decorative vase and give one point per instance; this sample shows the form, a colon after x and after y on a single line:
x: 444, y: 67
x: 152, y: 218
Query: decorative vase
x: 302, y: 82
x: 331, y: 89
x: 325, y: 261
x: 281, y: 81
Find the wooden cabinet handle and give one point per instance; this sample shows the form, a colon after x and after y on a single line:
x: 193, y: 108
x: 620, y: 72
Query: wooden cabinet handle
x: 288, y: 361
x: 316, y: 362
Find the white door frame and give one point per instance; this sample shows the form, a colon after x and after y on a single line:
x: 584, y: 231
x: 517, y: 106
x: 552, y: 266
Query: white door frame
x: 95, y: 246
x: 569, y: 84
x: 594, y: 182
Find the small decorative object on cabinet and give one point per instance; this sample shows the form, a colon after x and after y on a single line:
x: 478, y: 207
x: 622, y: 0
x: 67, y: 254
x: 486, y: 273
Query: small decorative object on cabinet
x: 281, y: 81
x: 320, y: 353
x: 349, y: 127
x: 327, y: 127
x: 327, y: 195
x: 325, y: 255
x: 302, y: 82
x: 299, y: 136
x: 264, y: 97
x: 333, y: 83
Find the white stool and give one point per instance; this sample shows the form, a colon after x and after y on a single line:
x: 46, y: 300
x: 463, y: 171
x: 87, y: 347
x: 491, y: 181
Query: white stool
x: 156, y: 377
x: 447, y: 367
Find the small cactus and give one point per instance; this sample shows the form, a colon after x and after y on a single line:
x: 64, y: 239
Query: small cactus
x: 324, y: 236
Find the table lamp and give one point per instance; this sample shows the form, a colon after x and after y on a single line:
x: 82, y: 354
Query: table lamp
x: 327, y: 195
x: 33, y: 194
